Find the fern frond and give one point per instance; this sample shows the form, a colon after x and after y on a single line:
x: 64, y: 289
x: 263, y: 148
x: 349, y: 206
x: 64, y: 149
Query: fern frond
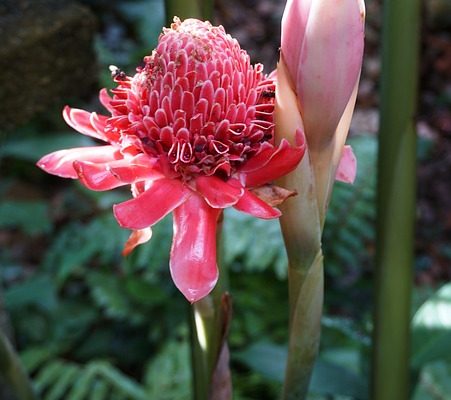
x: 349, y: 230
x: 97, y: 380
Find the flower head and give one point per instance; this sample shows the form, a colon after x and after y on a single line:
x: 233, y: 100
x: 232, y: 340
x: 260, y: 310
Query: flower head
x: 318, y: 75
x: 191, y: 132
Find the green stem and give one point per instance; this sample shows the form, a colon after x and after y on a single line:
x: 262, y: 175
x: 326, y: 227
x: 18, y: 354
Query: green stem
x: 305, y: 330
x: 202, y: 322
x: 208, y: 319
x: 201, y: 9
x: 12, y: 372
x: 396, y: 199
x: 301, y: 228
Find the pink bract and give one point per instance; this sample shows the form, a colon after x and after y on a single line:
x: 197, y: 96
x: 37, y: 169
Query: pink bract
x: 192, y: 132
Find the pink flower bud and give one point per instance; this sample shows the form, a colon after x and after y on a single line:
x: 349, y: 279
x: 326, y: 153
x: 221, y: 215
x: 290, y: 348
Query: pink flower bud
x: 322, y: 46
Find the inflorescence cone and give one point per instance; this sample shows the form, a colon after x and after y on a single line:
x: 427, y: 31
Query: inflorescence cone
x: 192, y: 132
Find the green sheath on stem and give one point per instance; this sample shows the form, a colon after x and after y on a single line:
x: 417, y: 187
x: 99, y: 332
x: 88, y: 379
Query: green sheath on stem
x: 305, y: 329
x: 300, y: 222
x: 12, y: 372
x: 396, y: 199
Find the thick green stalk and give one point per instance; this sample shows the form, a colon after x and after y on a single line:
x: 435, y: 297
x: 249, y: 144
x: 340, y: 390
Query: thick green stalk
x: 305, y: 330
x: 396, y: 199
x: 12, y: 372
x: 202, y: 9
x: 300, y: 224
x: 202, y: 323
x: 209, y: 322
x: 301, y: 228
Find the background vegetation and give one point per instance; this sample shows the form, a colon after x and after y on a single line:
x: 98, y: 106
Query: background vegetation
x: 90, y: 324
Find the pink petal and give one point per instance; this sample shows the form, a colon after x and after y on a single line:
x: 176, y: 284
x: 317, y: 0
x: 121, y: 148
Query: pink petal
x: 137, y: 171
x: 96, y: 176
x: 260, y: 159
x: 294, y: 24
x: 347, y: 168
x: 193, y: 253
x: 117, y: 173
x: 105, y: 100
x: 217, y: 193
x: 80, y: 120
x: 136, y: 238
x: 61, y: 162
x: 98, y: 122
x: 251, y: 204
x: 322, y: 45
x: 282, y: 161
x: 152, y: 205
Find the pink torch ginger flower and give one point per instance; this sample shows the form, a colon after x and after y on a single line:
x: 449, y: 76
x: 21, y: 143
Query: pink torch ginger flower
x: 192, y: 133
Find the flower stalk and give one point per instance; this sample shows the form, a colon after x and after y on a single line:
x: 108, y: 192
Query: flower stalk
x: 209, y: 321
x: 396, y: 200
x: 317, y: 80
x: 301, y: 228
x: 12, y: 371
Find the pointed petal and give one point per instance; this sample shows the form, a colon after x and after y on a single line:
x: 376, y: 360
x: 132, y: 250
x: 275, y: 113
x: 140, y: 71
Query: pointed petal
x: 260, y: 159
x: 322, y: 45
x: 282, y: 161
x: 80, y: 120
x: 61, y: 162
x: 105, y: 100
x: 117, y: 173
x: 251, y: 204
x: 217, y: 193
x: 193, y: 253
x: 347, y: 168
x: 96, y: 176
x: 294, y: 24
x: 137, y: 171
x: 136, y: 238
x: 98, y: 122
x: 152, y: 205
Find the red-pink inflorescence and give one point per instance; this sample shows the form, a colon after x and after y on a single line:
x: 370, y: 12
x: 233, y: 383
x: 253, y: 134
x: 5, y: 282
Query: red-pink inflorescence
x: 191, y: 132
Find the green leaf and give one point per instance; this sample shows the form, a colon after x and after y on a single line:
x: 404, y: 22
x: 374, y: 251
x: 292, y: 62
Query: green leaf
x: 61, y: 385
x: 431, y: 337
x: 82, y: 386
x: 34, y: 357
x: 32, y: 217
x: 33, y: 148
x: 48, y: 374
x: 333, y: 379
x: 78, y: 243
x: 38, y: 291
x: 347, y: 328
x: 168, y: 375
x: 256, y: 244
x: 434, y: 382
x: 108, y: 292
x: 120, y: 381
x: 327, y: 379
x: 100, y: 390
x: 266, y: 358
x: 62, y: 380
x: 144, y: 292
